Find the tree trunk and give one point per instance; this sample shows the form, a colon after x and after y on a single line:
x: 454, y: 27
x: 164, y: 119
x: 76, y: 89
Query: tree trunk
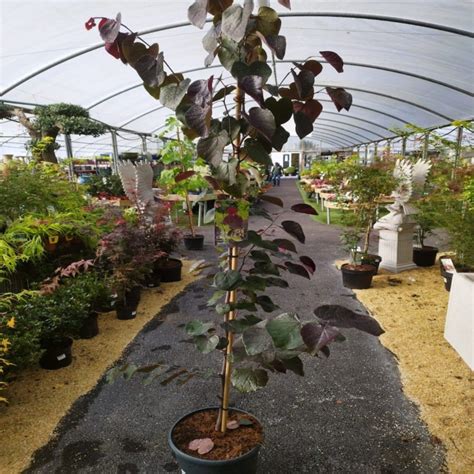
x: 49, y: 155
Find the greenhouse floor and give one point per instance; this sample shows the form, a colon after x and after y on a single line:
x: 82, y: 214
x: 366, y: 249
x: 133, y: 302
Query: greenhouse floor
x: 348, y: 414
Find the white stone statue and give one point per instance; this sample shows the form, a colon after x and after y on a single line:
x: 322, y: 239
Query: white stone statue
x: 411, y: 177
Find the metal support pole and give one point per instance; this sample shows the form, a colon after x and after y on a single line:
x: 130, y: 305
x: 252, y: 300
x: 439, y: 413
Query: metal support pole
x: 115, y: 153
x: 457, y: 152
x: 388, y: 147
x: 366, y: 154
x: 69, y: 153
x: 426, y: 142
x: 376, y: 152
x: 404, y: 146
x: 145, y: 148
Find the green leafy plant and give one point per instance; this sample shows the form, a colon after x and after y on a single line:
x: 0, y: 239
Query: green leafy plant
x: 184, y: 172
x: 251, y: 345
x: 366, y: 185
x: 105, y: 186
x: 12, y: 333
x: 22, y: 329
x: 36, y: 188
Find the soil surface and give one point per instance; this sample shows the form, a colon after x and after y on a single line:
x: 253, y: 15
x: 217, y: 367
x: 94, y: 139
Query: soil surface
x: 347, y: 415
x: 231, y: 445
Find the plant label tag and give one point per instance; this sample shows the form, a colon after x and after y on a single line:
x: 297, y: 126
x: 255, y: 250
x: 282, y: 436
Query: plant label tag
x: 134, y: 313
x: 61, y: 357
x: 448, y: 265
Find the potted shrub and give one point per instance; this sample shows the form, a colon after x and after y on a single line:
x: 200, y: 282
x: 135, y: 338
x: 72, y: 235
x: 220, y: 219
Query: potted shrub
x: 425, y: 218
x: 251, y: 346
x: 61, y: 315
x: 105, y: 187
x: 86, y: 284
x: 365, y: 185
x: 183, y: 175
x: 20, y: 333
x: 356, y: 274
x: 126, y: 253
x: 455, y: 213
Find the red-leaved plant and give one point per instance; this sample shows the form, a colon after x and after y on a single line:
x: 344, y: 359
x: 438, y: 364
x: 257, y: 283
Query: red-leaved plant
x: 245, y: 43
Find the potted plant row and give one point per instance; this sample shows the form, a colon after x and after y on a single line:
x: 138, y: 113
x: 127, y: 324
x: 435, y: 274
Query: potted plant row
x: 252, y: 344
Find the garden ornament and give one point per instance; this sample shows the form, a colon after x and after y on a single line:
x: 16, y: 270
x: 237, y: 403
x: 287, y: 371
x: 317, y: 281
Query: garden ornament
x: 137, y: 182
x: 410, y: 176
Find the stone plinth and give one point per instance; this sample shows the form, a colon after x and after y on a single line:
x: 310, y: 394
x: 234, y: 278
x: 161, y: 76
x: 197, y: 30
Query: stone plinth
x: 396, y: 248
x: 459, y: 328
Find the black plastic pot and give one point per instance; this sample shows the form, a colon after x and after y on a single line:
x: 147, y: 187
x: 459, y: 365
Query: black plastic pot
x: 245, y: 464
x: 127, y: 308
x: 357, y: 279
x: 371, y: 259
x: 152, y: 280
x: 448, y: 276
x: 169, y: 270
x: 424, y: 256
x: 57, y: 354
x: 194, y: 243
x: 90, y: 327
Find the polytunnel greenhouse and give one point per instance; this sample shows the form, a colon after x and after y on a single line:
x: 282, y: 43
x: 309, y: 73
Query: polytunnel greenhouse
x: 236, y: 236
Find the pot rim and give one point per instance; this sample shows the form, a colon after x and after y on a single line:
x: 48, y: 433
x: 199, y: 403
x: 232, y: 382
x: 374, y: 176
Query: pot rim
x: 426, y: 247
x: 190, y: 236
x: 210, y: 462
x: 357, y: 272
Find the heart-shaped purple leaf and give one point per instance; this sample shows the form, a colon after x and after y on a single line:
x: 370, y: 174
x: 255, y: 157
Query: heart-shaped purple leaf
x: 342, y: 317
x: 109, y: 29
x: 341, y: 98
x: 308, y: 263
x: 184, y: 175
x: 297, y: 269
x: 333, y: 59
x: 294, y: 229
x: 304, y: 209
x: 262, y: 120
x: 202, y: 445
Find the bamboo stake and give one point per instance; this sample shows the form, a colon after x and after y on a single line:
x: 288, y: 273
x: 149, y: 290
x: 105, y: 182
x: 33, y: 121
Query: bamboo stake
x: 233, y: 258
x: 233, y: 261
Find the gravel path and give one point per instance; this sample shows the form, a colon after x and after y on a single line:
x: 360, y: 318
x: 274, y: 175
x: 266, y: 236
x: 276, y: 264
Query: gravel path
x: 347, y: 415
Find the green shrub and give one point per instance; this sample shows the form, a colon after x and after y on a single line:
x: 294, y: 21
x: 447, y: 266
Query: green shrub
x: 39, y: 188
x: 106, y: 186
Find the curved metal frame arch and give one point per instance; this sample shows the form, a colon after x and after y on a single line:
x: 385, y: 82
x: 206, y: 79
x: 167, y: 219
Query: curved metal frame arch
x: 289, y: 61
x: 328, y: 140
x: 322, y: 119
x: 405, y: 122
x: 357, y: 118
x: 405, y: 21
x: 387, y: 96
x: 335, y: 135
x: 347, y: 133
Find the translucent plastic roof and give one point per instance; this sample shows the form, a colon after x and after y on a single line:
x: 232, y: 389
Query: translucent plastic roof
x: 405, y: 62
